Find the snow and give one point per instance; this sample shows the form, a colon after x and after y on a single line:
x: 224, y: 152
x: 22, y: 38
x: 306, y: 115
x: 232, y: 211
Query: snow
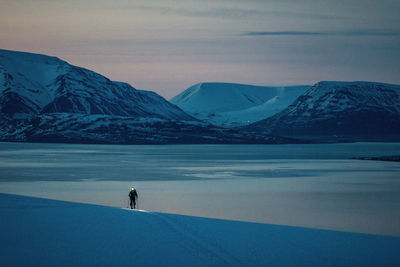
x: 217, y: 97
x: 45, y: 232
x: 31, y: 74
x: 342, y: 107
x: 331, y: 96
x: 39, y: 68
x: 228, y: 104
x: 50, y: 85
x: 324, y: 93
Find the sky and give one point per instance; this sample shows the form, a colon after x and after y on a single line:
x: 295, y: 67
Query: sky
x: 166, y: 46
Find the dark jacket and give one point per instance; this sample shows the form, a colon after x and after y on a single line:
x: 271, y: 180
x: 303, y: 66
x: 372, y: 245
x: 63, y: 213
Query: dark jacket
x: 133, y: 194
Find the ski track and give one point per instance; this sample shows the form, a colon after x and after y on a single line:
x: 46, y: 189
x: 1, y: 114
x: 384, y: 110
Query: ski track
x: 195, y: 242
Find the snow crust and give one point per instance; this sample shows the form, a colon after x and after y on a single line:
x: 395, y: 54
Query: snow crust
x: 54, y: 233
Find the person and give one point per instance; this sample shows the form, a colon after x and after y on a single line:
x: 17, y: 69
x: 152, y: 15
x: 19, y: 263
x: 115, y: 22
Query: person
x: 133, y: 196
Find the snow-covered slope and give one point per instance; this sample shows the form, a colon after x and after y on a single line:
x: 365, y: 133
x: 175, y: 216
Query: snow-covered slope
x: 228, y: 104
x: 32, y: 84
x: 46, y: 232
x: 340, y: 110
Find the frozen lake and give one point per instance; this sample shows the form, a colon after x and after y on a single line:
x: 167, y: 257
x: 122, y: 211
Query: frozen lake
x: 316, y: 186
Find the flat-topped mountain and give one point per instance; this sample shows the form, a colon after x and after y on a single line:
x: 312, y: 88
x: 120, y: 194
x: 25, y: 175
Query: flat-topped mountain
x: 229, y: 104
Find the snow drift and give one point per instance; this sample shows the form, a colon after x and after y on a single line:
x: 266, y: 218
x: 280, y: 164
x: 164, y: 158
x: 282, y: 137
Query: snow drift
x: 42, y: 232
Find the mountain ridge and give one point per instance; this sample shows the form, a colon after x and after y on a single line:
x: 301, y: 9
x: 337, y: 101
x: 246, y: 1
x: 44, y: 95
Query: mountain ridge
x: 45, y: 99
x: 44, y: 84
x: 353, y: 111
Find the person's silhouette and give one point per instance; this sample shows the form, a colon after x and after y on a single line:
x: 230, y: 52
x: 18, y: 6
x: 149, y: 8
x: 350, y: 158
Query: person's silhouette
x: 133, y: 196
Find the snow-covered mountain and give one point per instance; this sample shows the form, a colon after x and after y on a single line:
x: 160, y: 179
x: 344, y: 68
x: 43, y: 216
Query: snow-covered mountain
x: 45, y: 99
x: 227, y: 104
x: 38, y: 84
x: 340, y: 111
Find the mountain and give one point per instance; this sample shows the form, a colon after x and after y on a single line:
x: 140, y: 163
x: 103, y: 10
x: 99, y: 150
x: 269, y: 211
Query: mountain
x: 45, y: 99
x: 37, y: 84
x: 340, y: 111
x: 228, y: 104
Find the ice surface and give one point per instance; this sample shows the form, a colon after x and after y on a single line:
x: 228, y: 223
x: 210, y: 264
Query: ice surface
x: 41, y: 232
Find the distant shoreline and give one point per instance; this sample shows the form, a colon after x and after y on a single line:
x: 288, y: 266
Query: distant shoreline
x: 384, y: 158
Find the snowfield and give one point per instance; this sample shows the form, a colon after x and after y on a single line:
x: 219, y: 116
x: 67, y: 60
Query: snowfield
x: 43, y: 232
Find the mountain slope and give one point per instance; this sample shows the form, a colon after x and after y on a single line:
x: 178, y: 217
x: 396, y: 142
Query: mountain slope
x: 32, y: 84
x: 353, y: 111
x: 228, y: 104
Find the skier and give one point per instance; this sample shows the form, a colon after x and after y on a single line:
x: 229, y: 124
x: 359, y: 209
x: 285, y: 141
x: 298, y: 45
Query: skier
x: 133, y: 196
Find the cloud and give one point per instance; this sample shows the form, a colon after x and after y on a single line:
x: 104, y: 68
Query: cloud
x: 361, y: 32
x: 258, y: 33
x: 234, y: 13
